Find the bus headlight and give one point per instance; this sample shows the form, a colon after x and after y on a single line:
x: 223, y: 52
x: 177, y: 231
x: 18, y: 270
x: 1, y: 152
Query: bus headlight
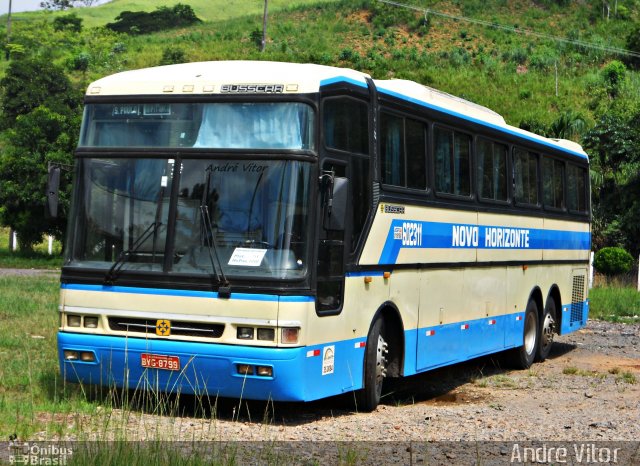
x: 266, y: 334
x: 290, y: 335
x: 245, y: 369
x: 245, y: 333
x: 74, y: 320
x: 70, y: 355
x: 87, y: 356
x: 264, y: 371
x: 91, y: 322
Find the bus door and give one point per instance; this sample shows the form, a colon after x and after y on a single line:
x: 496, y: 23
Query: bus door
x: 333, y: 229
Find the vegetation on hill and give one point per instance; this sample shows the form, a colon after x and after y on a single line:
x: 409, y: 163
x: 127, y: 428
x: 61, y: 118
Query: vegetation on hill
x: 557, y: 88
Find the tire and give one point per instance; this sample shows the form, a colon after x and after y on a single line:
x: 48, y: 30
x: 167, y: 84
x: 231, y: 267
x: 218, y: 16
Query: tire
x: 523, y: 356
x: 375, y: 368
x: 547, y: 330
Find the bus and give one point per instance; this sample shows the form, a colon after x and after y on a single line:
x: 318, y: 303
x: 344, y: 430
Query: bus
x: 290, y: 232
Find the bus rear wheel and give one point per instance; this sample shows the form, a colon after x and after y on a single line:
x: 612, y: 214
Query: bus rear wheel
x: 547, y: 330
x: 375, y: 368
x: 523, y: 356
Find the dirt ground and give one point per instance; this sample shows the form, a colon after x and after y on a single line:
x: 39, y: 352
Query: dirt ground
x: 589, y: 388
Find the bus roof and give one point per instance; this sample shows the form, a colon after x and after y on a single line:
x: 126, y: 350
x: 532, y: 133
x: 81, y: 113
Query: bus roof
x: 263, y: 77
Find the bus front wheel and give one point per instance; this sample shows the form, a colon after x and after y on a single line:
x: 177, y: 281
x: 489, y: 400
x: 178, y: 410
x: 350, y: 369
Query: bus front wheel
x: 523, y: 356
x: 375, y: 367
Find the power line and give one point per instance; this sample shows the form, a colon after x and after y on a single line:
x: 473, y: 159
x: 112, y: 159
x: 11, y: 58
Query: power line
x: 528, y: 32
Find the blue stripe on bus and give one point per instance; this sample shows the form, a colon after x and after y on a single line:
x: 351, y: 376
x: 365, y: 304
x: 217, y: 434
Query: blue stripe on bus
x: 413, y: 234
x: 211, y: 368
x: 339, y: 79
x: 481, y: 122
x: 185, y: 293
x: 299, y: 374
x: 365, y: 273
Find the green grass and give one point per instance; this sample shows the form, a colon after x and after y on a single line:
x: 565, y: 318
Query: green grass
x: 38, y: 259
x: 615, y: 304
x: 28, y: 365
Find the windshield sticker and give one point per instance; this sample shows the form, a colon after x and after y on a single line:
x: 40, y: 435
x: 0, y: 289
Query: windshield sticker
x: 247, y: 257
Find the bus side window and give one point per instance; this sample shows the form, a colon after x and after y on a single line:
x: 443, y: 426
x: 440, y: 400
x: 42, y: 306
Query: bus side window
x: 553, y: 183
x: 345, y: 125
x: 525, y: 171
x: 403, y: 152
x: 576, y: 188
x: 492, y: 170
x: 452, y: 162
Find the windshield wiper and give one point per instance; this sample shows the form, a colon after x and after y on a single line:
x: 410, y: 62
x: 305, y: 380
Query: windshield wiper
x: 224, y: 288
x: 112, y: 274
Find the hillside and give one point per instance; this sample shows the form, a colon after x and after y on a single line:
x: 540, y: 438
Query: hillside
x: 514, y: 74
x: 559, y: 81
x: 208, y: 10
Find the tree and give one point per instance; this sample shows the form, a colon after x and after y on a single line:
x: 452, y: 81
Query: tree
x: 40, y: 129
x: 614, y: 75
x: 614, y: 146
x: 568, y: 125
x: 31, y: 82
x: 56, y: 4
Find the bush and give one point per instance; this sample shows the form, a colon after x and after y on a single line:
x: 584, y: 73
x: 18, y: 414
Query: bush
x: 141, y: 22
x: 68, y: 23
x: 172, y: 55
x: 613, y: 261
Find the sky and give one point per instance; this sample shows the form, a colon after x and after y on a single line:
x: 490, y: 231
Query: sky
x: 23, y: 5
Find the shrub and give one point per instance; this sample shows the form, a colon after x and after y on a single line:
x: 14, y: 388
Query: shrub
x: 68, y: 23
x: 613, y: 261
x: 614, y: 74
x: 142, y: 22
x: 172, y: 55
x: 81, y: 61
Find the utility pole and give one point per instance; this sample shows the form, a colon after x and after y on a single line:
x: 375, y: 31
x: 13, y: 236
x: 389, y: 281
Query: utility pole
x: 264, y: 26
x: 6, y: 52
x: 9, y: 23
x: 556, y: 67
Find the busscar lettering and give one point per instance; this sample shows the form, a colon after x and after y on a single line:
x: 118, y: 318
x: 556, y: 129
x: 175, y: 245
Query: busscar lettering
x: 252, y: 88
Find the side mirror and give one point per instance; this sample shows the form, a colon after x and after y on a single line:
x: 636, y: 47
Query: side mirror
x: 53, y: 187
x: 336, y: 210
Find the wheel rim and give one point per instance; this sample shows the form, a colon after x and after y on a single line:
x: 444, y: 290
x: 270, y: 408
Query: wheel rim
x: 548, y: 327
x: 530, y: 332
x: 381, y: 361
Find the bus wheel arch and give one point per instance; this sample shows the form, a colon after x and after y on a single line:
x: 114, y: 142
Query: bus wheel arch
x: 383, y: 355
x: 394, y: 336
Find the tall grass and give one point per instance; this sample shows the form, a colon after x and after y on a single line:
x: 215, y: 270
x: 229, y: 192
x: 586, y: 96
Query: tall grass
x: 615, y: 304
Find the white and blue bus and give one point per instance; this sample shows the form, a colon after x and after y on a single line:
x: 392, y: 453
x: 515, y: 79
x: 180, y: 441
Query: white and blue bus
x: 290, y: 232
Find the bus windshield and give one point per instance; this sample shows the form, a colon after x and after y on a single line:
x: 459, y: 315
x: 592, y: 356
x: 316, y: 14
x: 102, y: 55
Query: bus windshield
x: 250, y: 215
x: 223, y: 125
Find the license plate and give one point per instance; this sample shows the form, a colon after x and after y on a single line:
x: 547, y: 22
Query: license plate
x: 157, y: 361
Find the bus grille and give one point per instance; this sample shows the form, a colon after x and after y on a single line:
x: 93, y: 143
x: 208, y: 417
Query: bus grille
x: 577, y: 298
x: 178, y: 328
